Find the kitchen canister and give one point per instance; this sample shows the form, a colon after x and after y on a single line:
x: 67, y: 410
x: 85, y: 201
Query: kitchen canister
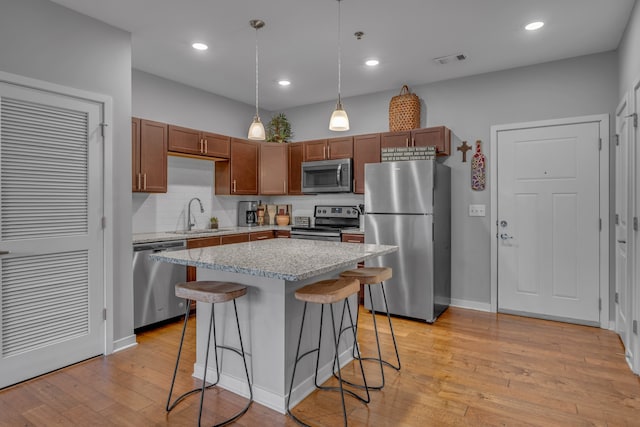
x: 404, y: 111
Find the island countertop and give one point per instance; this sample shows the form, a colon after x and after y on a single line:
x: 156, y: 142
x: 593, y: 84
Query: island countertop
x: 286, y: 259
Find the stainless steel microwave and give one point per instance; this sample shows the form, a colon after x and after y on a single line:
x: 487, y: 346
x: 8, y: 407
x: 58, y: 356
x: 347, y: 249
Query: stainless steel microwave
x: 327, y: 176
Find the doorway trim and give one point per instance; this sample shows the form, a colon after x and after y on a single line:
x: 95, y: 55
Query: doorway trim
x: 605, y: 208
x: 107, y: 181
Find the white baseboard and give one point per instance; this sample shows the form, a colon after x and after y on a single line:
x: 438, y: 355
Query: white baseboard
x: 471, y: 305
x: 124, y: 343
x: 268, y: 398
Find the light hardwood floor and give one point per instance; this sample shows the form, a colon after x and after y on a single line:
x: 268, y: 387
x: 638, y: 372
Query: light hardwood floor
x: 469, y: 368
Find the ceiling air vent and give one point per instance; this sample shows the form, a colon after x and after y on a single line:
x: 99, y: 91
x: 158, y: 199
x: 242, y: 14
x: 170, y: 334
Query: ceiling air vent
x: 450, y: 58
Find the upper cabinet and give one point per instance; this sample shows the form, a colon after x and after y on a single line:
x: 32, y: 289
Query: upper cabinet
x: 325, y: 149
x: 439, y: 137
x: 239, y: 175
x: 149, y: 156
x: 366, y: 149
x: 296, y: 156
x: 273, y: 168
x: 198, y: 143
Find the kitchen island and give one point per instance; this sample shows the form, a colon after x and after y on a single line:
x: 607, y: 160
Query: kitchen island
x: 269, y: 314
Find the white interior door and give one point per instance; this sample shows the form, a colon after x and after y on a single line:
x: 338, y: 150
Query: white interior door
x: 548, y: 212
x: 624, y: 167
x: 51, y: 237
x: 634, y: 236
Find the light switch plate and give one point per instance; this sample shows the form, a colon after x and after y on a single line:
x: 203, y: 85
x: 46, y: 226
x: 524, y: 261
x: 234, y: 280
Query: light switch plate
x: 477, y: 210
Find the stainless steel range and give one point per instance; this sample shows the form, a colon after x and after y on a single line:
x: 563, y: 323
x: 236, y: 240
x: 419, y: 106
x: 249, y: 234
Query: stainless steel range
x: 329, y: 221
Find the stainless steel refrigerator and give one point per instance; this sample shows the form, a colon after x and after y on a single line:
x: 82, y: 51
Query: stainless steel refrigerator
x: 408, y: 204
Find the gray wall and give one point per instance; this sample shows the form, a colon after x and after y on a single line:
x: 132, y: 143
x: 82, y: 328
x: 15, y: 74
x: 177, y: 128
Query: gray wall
x: 470, y: 106
x: 45, y: 41
x: 629, y: 52
x: 156, y: 98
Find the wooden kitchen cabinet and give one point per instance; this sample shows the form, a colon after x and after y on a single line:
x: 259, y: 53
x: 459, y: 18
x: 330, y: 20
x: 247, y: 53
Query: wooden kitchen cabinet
x: 273, y: 169
x: 149, y: 156
x: 327, y: 149
x: 355, y: 238
x: 239, y: 175
x: 295, y: 159
x: 191, y: 141
x: 201, y: 242
x: 261, y: 235
x: 366, y: 149
x: 439, y: 137
x: 282, y: 234
x: 234, y: 238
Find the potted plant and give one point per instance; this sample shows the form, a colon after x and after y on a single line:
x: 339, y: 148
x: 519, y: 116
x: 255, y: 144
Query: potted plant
x: 213, y: 221
x: 279, y: 129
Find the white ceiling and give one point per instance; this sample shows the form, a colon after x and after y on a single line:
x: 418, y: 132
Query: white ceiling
x: 299, y: 41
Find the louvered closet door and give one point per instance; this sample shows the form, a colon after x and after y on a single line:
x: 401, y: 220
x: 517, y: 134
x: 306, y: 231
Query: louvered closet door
x: 51, y: 240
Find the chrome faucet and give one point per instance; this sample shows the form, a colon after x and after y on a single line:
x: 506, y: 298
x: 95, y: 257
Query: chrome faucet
x: 189, y: 223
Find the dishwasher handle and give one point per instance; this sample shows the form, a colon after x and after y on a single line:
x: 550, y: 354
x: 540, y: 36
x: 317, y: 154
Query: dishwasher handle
x: 160, y: 246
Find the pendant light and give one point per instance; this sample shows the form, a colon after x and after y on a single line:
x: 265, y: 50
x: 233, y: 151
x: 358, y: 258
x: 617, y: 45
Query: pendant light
x: 256, y: 130
x: 339, y: 119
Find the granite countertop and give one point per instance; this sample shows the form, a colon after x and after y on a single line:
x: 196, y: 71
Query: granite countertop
x: 163, y: 236
x: 286, y: 259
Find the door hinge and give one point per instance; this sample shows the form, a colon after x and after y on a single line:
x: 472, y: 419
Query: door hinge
x: 104, y: 314
x: 600, y: 304
x: 600, y: 144
x: 617, y: 137
x: 617, y: 219
x: 635, y: 119
x: 634, y: 327
x: 635, y: 223
x: 617, y: 298
x: 103, y: 222
x: 600, y: 224
x: 102, y: 126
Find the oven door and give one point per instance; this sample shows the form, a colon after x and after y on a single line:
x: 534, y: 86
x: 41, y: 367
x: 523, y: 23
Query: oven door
x: 316, y: 235
x: 327, y: 176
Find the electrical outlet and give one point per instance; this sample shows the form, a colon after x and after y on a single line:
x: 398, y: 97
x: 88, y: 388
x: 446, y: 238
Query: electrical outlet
x: 477, y: 210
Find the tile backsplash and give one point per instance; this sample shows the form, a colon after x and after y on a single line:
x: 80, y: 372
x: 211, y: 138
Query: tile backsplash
x: 188, y: 178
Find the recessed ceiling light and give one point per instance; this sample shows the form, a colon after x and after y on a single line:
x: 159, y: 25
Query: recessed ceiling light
x: 372, y: 62
x: 534, y: 26
x: 199, y: 46
x: 284, y: 82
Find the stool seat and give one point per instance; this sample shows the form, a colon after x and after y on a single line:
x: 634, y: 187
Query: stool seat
x: 210, y: 292
x: 328, y: 291
x: 368, y: 275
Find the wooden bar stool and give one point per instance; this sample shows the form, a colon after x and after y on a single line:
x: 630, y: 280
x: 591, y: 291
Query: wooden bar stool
x: 212, y: 293
x: 327, y: 292
x: 371, y: 276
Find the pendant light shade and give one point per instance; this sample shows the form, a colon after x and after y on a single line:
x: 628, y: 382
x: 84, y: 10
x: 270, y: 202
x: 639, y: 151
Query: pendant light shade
x: 339, y: 120
x: 256, y: 130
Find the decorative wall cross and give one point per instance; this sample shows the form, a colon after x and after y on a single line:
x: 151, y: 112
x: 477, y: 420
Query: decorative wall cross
x: 464, y: 148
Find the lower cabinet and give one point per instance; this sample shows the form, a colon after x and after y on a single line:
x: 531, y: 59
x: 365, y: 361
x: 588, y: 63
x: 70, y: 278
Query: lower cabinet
x: 356, y: 238
x: 261, y: 235
x: 234, y: 238
x: 282, y: 234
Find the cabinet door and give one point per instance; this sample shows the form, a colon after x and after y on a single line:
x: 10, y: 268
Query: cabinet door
x: 315, y: 150
x: 340, y: 148
x: 366, y: 149
x: 260, y: 235
x: 202, y: 242
x: 216, y: 145
x: 439, y: 137
x: 234, y: 238
x: 296, y: 154
x: 283, y: 234
x: 273, y: 168
x: 136, y: 177
x: 185, y: 140
x: 244, y: 166
x: 153, y: 156
x: 395, y: 139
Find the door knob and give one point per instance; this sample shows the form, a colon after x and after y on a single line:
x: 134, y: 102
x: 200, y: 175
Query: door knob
x: 505, y: 236
x: 622, y: 241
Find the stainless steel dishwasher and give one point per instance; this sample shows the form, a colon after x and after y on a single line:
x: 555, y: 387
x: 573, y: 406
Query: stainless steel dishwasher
x: 154, y: 296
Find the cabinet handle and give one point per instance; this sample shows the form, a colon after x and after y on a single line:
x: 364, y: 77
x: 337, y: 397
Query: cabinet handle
x: 328, y: 152
x: 145, y: 182
x: 139, y: 187
x: 353, y: 241
x: 206, y: 146
x: 234, y: 186
x: 284, y: 187
x: 201, y: 145
x: 407, y: 141
x: 413, y: 142
x: 262, y: 237
x: 324, y: 152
